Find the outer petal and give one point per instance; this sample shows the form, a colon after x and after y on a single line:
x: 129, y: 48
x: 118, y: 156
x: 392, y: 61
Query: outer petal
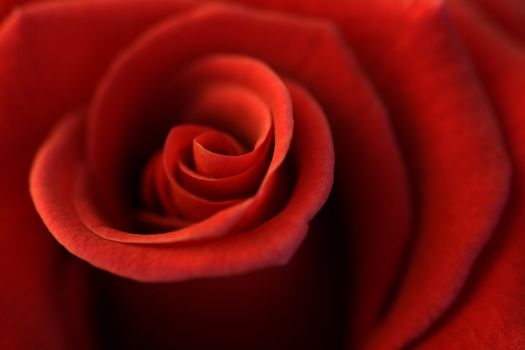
x: 296, y: 306
x: 36, y: 66
x: 44, y: 301
x: 490, y: 313
x: 453, y: 148
x: 451, y: 143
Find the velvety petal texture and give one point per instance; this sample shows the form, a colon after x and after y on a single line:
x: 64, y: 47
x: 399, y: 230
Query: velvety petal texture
x: 298, y: 174
x: 490, y: 313
x: 459, y: 168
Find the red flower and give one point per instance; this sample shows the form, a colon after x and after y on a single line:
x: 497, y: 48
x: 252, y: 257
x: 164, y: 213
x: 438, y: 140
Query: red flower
x: 190, y: 146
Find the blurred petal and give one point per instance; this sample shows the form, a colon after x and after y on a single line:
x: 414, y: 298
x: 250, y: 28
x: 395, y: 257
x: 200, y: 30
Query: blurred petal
x: 453, y: 149
x: 490, y: 313
x: 45, y: 302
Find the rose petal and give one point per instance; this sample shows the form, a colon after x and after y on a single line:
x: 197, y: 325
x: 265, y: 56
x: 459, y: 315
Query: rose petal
x: 173, y: 229
x: 365, y: 182
x: 454, y: 150
x: 45, y: 300
x: 109, y: 145
x: 237, y: 186
x: 179, y: 202
x: 270, y: 243
x: 45, y: 291
x: 509, y: 15
x: 7, y: 6
x: 296, y: 306
x: 489, y: 312
x: 366, y: 149
x: 219, y: 165
x: 37, y: 65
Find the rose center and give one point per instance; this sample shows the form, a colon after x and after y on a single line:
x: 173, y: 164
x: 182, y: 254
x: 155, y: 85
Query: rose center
x: 198, y: 161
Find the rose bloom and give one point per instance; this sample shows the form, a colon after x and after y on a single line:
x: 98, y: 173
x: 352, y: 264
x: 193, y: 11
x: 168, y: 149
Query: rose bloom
x: 298, y: 174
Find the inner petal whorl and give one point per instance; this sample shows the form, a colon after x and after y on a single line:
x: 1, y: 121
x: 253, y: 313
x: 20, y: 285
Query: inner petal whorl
x: 228, y: 139
x: 172, y: 169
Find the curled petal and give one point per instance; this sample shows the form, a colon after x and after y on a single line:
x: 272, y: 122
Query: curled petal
x: 271, y: 243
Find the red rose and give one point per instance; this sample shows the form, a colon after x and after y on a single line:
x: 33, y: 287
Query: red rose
x: 187, y: 148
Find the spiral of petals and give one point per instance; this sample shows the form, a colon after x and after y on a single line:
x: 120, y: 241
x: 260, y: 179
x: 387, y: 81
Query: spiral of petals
x: 222, y: 155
